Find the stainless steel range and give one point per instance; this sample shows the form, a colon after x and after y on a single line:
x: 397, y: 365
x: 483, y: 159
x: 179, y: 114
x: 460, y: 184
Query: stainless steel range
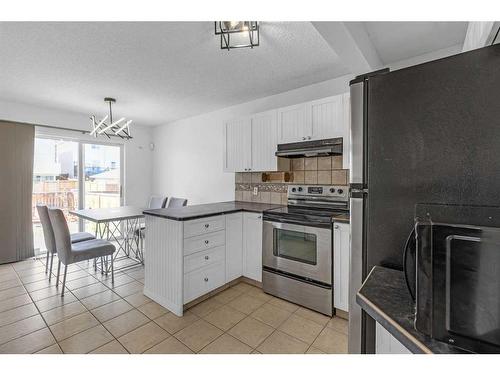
x: 297, y: 245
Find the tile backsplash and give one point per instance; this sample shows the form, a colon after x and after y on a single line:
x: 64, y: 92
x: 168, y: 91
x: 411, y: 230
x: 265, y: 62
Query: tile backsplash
x: 319, y: 170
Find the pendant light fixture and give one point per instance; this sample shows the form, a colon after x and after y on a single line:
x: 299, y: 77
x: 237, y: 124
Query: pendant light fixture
x: 237, y: 34
x: 106, y: 126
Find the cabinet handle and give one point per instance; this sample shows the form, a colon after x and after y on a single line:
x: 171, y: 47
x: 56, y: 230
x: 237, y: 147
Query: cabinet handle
x: 309, y: 137
x: 303, y: 138
x: 206, y: 279
x: 206, y: 257
x: 336, y: 227
x: 206, y: 242
x: 207, y: 225
x: 259, y: 217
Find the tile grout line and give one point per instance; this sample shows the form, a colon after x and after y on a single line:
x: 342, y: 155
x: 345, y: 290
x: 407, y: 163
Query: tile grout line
x: 41, y: 316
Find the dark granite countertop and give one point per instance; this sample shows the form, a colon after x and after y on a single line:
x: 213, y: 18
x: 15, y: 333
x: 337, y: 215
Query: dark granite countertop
x: 204, y: 210
x: 385, y: 298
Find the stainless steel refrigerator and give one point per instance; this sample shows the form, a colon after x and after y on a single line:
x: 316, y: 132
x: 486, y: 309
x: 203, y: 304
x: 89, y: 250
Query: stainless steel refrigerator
x: 424, y: 134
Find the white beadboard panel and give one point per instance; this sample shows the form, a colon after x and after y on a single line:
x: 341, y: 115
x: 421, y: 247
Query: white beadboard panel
x: 293, y: 123
x: 327, y: 117
x: 164, y: 270
x: 264, y: 141
x: 237, y: 145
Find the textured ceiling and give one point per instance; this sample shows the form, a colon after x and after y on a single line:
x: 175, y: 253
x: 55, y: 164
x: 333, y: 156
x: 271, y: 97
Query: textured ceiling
x: 396, y: 41
x: 159, y: 71
x: 163, y: 71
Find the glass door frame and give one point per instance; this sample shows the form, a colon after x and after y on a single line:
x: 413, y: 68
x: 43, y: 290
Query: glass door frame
x: 81, y: 172
x: 81, y: 176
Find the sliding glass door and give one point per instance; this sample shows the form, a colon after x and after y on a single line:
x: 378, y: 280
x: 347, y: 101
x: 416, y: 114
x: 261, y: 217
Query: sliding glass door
x: 102, y: 185
x: 70, y: 175
x: 55, y: 182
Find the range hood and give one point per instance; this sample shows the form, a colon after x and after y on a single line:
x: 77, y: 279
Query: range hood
x: 323, y: 147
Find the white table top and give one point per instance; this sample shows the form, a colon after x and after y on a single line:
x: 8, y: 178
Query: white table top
x: 101, y: 215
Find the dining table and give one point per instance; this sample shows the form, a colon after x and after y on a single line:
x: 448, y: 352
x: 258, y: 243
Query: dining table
x: 119, y: 225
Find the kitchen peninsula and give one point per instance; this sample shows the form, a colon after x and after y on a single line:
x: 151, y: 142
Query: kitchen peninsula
x: 193, y: 250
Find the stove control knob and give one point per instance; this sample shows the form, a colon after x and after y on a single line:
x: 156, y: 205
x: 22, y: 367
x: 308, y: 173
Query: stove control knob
x: 340, y: 191
x: 294, y: 190
x: 300, y: 189
x: 332, y: 190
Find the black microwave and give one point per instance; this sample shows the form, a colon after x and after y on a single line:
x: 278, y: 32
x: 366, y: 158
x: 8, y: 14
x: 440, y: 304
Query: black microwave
x: 457, y: 275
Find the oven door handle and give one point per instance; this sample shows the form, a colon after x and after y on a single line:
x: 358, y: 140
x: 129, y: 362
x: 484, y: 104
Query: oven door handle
x: 296, y: 222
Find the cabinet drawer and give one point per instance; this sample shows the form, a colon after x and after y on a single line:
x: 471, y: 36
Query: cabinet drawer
x: 203, y: 280
x: 204, y: 258
x: 207, y: 241
x: 205, y: 225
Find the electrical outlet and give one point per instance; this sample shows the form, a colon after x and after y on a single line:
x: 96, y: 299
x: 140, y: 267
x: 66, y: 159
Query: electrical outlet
x: 255, y: 190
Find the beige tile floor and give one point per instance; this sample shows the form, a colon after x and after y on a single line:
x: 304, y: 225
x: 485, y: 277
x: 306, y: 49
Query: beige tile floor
x: 97, y: 317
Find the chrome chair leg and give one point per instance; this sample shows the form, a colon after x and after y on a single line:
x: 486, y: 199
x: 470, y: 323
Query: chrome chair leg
x: 58, y: 272
x: 51, y: 261
x: 47, y: 261
x: 112, y: 271
x: 64, y: 280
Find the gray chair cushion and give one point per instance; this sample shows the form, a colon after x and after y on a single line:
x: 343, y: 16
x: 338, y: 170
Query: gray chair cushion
x: 81, y: 236
x: 91, y: 249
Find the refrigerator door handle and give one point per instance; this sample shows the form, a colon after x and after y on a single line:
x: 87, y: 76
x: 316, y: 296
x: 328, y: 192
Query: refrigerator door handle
x: 357, y: 134
x: 355, y: 275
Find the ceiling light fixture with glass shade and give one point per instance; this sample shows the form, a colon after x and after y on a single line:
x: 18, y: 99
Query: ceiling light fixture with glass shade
x: 109, y: 128
x: 237, y: 34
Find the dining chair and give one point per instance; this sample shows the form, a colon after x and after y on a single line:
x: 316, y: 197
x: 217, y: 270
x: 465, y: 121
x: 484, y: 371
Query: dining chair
x: 48, y: 235
x: 155, y: 202
x: 176, y: 202
x: 69, y: 253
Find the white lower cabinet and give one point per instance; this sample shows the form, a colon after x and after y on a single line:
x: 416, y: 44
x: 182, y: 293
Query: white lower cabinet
x: 203, y: 280
x: 341, y: 255
x: 225, y: 248
x: 234, y: 246
x: 252, y: 246
x: 385, y: 343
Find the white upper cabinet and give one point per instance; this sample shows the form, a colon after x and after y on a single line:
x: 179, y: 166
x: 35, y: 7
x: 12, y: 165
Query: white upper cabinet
x: 294, y: 124
x: 327, y: 117
x: 237, y: 145
x: 264, y: 141
x: 250, y: 142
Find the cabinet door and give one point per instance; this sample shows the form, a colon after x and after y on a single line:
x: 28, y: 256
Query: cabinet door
x: 294, y: 124
x: 341, y: 254
x: 237, y: 145
x: 264, y: 141
x: 234, y: 246
x: 252, y: 246
x: 327, y: 117
x: 385, y: 343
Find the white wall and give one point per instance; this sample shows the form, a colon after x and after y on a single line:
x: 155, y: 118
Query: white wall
x: 138, y: 157
x: 434, y: 55
x: 188, y: 156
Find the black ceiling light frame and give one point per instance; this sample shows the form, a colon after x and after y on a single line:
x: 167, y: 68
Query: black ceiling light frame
x: 226, y: 28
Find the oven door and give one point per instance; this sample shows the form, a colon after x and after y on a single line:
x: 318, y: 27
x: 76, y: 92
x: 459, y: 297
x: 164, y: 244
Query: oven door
x: 299, y: 250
